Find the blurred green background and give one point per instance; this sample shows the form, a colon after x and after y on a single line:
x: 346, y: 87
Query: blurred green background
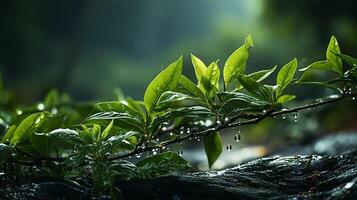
x: 89, y: 48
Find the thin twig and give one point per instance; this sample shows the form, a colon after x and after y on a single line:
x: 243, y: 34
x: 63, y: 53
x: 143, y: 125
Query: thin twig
x: 232, y: 123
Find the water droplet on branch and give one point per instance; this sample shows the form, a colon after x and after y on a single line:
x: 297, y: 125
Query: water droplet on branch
x: 229, y: 147
x: 237, y: 138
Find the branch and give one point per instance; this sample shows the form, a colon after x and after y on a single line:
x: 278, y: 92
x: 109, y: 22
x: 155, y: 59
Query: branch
x: 256, y: 118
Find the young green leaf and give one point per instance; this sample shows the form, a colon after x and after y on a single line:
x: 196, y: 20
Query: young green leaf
x: 199, y: 66
x: 332, y: 50
x: 9, y: 133
x: 164, y: 81
x: 285, y: 76
x: 333, y: 63
x: 28, y: 126
x: 213, y: 147
x: 256, y: 89
x: 236, y: 63
x: 176, y: 100
x: 186, y: 86
x: 263, y: 74
x: 259, y: 75
x: 164, y: 163
x: 210, y: 79
x: 106, y: 131
x: 285, y: 98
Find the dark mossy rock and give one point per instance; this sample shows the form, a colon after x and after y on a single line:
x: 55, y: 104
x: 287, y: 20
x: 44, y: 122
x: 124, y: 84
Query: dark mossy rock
x: 291, y: 177
x: 278, y: 177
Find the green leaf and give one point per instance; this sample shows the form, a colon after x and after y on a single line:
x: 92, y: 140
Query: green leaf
x: 210, y: 79
x: 164, y: 81
x: 333, y: 63
x: 176, y: 100
x: 236, y: 63
x: 186, y: 86
x: 238, y: 102
x: 331, y: 56
x: 186, y: 112
x: 199, y: 66
x: 127, y: 170
x: 106, y: 131
x: 261, y: 75
x: 285, y: 76
x: 213, y: 147
x: 124, y: 121
x: 116, y: 106
x: 121, y: 142
x: 164, y: 163
x: 256, y: 89
x: 28, y: 126
x: 9, y: 133
x: 52, y: 98
x: 285, y: 98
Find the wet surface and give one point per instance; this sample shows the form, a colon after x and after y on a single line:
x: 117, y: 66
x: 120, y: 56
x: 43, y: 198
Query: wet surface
x: 327, y: 175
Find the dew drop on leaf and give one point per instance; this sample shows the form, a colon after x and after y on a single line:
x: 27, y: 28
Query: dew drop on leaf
x: 180, y: 152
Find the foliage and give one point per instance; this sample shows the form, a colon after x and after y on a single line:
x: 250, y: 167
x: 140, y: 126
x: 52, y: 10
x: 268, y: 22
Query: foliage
x: 65, y: 139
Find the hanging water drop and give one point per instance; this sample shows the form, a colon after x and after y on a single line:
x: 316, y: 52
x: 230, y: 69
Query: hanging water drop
x: 19, y: 112
x: 226, y: 119
x: 295, y: 117
x: 229, y: 147
x: 353, y: 98
x: 237, y: 138
x: 40, y: 106
x: 188, y: 131
x: 154, y: 152
x: 143, y: 146
x: 180, y: 152
x: 138, y: 155
x: 283, y: 116
x: 171, y: 133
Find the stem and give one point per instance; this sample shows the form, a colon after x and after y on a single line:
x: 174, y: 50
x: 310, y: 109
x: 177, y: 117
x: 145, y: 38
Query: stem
x: 232, y: 123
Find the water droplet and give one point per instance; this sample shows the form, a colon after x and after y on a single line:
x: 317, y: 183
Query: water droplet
x: 188, y: 130
x: 237, y: 138
x: 40, y: 106
x: 349, y: 185
x: 143, y: 146
x: 218, y: 121
x: 180, y: 152
x: 157, y: 139
x: 54, y: 111
x: 353, y: 98
x: 138, y: 155
x: 19, y: 112
x: 264, y: 111
x: 154, y: 152
x: 171, y: 133
x: 295, y: 117
x: 283, y: 116
x: 229, y: 147
x: 226, y: 119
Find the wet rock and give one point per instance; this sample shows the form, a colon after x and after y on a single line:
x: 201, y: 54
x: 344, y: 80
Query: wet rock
x: 329, y: 145
x: 291, y: 177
